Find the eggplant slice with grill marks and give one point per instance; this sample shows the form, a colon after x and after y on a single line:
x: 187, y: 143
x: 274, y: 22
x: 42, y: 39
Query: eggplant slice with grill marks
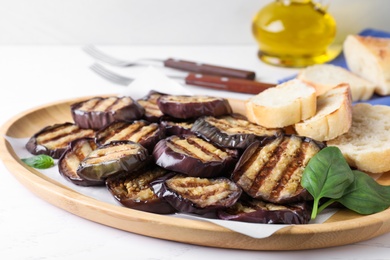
x: 133, y: 190
x: 98, y: 112
x: 193, y: 156
x: 177, y: 128
x: 258, y: 211
x: 149, y: 103
x: 272, y: 170
x: 112, y: 158
x: 141, y: 131
x: 186, y: 107
x: 231, y: 131
x: 53, y: 140
x: 71, y: 159
x: 196, y: 195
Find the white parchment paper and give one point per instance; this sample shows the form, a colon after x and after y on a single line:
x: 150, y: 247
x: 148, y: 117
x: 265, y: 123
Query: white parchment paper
x: 153, y: 79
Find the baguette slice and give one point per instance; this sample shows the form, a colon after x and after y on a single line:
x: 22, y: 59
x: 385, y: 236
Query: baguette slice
x: 326, y: 76
x: 369, y: 57
x: 366, y: 146
x: 333, y: 117
x: 283, y: 105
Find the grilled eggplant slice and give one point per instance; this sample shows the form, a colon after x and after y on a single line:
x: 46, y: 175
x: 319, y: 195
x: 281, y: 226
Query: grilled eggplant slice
x: 193, y: 156
x: 112, y: 158
x: 71, y: 159
x: 185, y: 107
x: 272, y: 170
x: 231, y: 131
x: 258, y: 211
x: 196, y: 195
x: 133, y: 190
x: 149, y: 103
x: 53, y: 140
x: 177, y: 128
x: 141, y: 131
x: 98, y: 112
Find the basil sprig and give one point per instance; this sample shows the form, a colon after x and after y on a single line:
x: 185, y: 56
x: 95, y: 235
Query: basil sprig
x: 41, y: 161
x: 328, y: 175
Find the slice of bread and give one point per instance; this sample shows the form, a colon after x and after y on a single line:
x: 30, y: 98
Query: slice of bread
x: 369, y: 57
x: 283, y: 105
x: 366, y: 146
x: 326, y: 76
x: 333, y: 117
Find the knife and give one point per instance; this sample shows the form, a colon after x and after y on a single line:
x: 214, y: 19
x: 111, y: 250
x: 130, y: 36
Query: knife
x: 227, y: 84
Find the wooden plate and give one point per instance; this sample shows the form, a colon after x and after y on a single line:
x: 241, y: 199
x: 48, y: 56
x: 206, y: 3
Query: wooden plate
x: 342, y: 228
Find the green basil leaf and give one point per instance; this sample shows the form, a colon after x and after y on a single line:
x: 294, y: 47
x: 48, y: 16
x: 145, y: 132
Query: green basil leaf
x: 326, y: 175
x: 365, y: 195
x: 41, y: 161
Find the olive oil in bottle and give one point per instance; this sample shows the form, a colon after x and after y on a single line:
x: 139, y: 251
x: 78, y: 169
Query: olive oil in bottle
x: 294, y: 33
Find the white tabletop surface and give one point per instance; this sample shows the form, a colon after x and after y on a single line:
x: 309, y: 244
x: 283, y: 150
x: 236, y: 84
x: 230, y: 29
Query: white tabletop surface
x: 31, y: 228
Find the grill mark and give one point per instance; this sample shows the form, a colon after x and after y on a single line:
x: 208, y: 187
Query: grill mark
x: 62, y: 140
x: 146, y: 131
x: 231, y: 125
x: 199, y: 192
x: 193, y: 141
x: 74, y: 157
x: 110, y: 107
x: 267, y: 169
x: 124, y: 132
x: 294, y: 167
x: 111, y: 131
x: 255, y: 164
x: 111, y: 152
x: 193, y: 144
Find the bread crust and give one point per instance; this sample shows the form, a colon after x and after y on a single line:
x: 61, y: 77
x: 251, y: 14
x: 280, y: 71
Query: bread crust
x: 366, y: 146
x: 284, y: 105
x: 369, y: 57
x: 324, y: 77
x: 333, y: 117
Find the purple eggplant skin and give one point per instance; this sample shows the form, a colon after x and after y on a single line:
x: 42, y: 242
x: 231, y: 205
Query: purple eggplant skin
x: 118, y: 187
x: 70, y: 173
x: 193, y: 109
x: 185, y: 205
x: 239, y: 140
x: 169, y: 159
x: 104, y: 169
x: 250, y: 211
x: 35, y: 148
x: 99, y: 119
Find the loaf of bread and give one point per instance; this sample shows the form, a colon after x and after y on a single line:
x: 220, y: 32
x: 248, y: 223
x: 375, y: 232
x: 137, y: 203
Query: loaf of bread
x: 366, y: 146
x: 333, y: 117
x: 326, y: 76
x: 283, y: 105
x: 369, y: 57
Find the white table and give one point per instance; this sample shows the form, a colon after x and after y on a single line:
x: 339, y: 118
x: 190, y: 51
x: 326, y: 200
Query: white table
x: 31, y: 228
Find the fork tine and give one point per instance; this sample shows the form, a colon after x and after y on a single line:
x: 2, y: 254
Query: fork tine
x: 94, y: 52
x: 109, y: 75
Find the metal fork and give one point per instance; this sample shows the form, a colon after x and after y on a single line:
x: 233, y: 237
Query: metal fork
x: 183, y: 65
x: 97, y: 54
x: 205, y: 81
x: 111, y: 76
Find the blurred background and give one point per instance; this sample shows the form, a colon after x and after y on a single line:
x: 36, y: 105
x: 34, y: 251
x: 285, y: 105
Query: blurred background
x: 163, y: 22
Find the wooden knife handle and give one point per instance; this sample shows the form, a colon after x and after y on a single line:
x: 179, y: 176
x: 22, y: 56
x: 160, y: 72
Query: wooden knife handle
x: 208, y: 69
x: 227, y: 84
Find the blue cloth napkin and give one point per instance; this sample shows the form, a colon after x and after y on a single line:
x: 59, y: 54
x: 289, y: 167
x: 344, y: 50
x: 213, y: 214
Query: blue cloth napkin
x: 340, y: 61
